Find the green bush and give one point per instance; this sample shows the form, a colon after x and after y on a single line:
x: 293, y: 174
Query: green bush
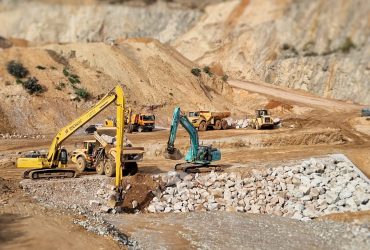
x: 196, y: 71
x: 347, y: 45
x: 82, y: 92
x: 73, y: 80
x: 65, y: 72
x: 207, y: 70
x: 16, y: 69
x: 32, y: 86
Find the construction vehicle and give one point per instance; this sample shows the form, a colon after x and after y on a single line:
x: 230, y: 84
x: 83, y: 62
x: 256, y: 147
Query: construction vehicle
x: 135, y: 122
x: 53, y: 163
x: 203, y: 120
x: 262, y: 120
x: 365, y: 112
x: 100, y: 154
x: 198, y: 156
x: 139, y: 122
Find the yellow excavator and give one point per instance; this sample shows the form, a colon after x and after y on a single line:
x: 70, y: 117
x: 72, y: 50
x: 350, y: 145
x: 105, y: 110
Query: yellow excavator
x: 53, y: 164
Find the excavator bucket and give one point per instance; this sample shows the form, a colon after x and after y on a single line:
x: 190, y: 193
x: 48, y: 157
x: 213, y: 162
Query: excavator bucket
x: 176, y: 155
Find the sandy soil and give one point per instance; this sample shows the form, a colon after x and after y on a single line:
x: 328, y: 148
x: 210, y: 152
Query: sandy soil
x: 27, y: 225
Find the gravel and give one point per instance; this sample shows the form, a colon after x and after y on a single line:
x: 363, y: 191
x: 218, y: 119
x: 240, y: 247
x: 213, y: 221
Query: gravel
x: 233, y: 230
x: 313, y: 188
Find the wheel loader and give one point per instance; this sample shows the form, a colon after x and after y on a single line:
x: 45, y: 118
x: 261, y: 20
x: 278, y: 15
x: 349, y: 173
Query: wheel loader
x: 262, y: 120
x: 204, y: 120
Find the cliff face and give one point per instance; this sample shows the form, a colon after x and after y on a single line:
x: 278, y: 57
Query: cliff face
x: 43, y: 22
x: 320, y: 46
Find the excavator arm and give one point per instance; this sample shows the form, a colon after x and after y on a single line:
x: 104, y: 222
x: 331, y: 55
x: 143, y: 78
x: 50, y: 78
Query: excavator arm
x: 179, y: 118
x: 52, y: 160
x: 198, y: 155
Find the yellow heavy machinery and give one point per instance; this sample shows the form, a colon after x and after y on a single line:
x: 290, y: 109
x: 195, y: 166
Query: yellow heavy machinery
x: 135, y: 121
x: 262, y: 120
x: 100, y: 154
x: 53, y: 163
x: 203, y: 120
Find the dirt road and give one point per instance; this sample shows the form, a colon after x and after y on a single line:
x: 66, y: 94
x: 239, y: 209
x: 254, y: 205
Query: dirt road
x: 294, y: 96
x: 25, y: 224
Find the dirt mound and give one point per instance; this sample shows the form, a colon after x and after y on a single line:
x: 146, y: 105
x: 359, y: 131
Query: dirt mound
x: 155, y: 78
x: 142, y: 189
x: 277, y: 104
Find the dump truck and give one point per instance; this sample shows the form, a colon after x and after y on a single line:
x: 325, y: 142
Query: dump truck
x: 203, y: 120
x: 138, y: 122
x: 262, y: 120
x: 100, y: 154
x: 141, y: 122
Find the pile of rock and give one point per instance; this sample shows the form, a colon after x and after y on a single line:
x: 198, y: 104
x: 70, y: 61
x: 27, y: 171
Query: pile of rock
x: 313, y: 188
x: 20, y: 136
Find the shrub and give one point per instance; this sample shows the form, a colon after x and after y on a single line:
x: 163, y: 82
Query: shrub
x: 347, y: 45
x: 32, y: 86
x: 207, y: 70
x: 19, y: 81
x: 196, y: 71
x: 65, y: 72
x: 16, y: 69
x: 73, y: 80
x: 82, y: 92
x: 225, y: 77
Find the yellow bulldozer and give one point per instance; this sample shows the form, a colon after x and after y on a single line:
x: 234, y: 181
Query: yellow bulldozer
x: 204, y: 120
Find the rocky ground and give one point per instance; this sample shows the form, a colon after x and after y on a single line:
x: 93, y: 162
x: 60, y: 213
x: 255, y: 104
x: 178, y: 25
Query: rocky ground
x: 311, y: 189
x: 303, y: 191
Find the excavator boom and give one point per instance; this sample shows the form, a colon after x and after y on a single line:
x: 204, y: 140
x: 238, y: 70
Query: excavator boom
x: 197, y: 155
x: 57, y: 156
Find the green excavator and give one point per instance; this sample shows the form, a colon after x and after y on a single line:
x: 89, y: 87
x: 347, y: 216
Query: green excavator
x: 198, y: 157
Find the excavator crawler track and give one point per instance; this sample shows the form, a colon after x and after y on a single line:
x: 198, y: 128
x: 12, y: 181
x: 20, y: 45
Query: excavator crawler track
x: 49, y: 173
x: 196, y: 168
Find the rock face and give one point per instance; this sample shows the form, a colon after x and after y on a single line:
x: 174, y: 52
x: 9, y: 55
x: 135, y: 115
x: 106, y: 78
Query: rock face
x: 319, y: 46
x: 40, y: 22
x: 313, y: 188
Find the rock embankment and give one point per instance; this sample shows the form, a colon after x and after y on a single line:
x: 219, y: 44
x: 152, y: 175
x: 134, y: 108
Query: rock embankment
x: 305, y: 191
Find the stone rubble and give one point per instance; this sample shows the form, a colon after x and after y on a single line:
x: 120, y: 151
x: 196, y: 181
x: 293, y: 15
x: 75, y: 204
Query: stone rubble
x: 311, y: 189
